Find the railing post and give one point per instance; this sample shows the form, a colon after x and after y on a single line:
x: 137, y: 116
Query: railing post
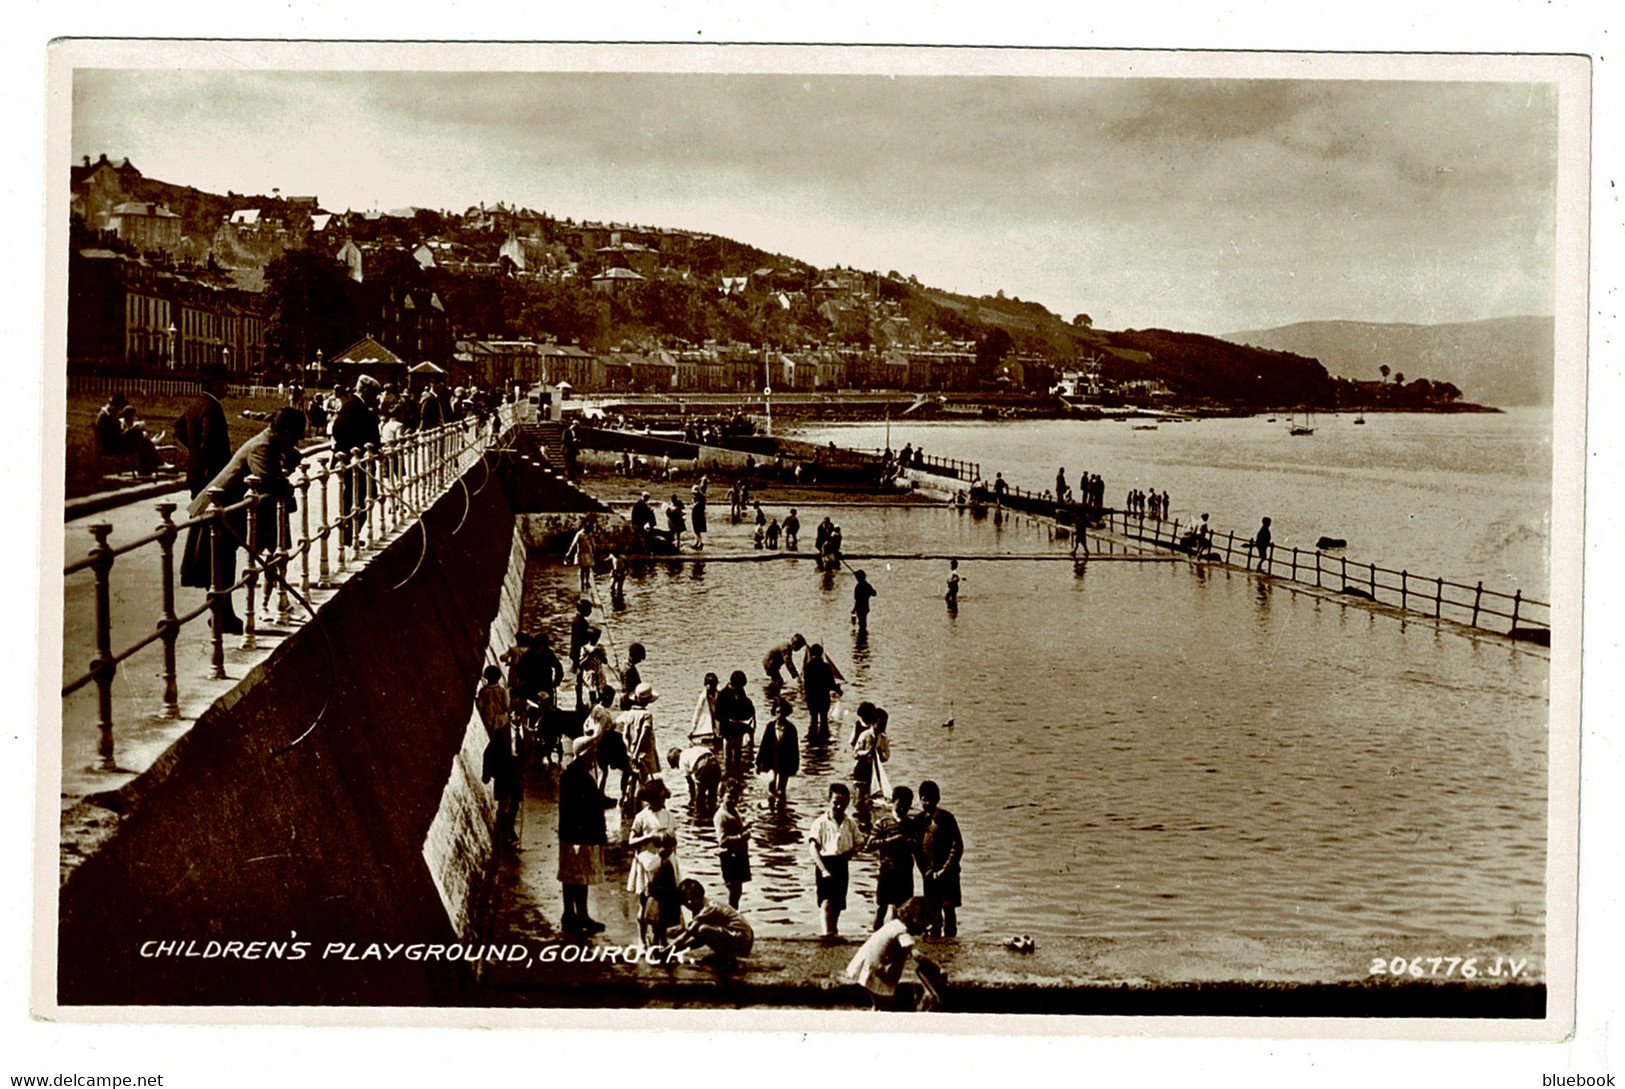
x: 1478, y: 596
x: 323, y: 575
x: 1517, y: 603
x: 1404, y: 588
x: 346, y: 481
x: 1373, y: 581
x: 304, y: 532
x: 251, y: 577
x: 1294, y: 563
x: 280, y: 508
x: 166, y: 549
x: 220, y: 593
x: 1438, y: 598
x: 1317, y: 568
x: 369, y: 473
x: 1345, y: 571
x: 103, y: 668
x: 1230, y: 543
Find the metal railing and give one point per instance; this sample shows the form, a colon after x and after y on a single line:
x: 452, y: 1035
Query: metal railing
x: 940, y: 466
x: 380, y: 488
x: 1473, y: 605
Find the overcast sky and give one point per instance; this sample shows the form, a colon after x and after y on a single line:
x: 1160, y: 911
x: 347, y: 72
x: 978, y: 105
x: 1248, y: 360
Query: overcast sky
x: 1206, y: 205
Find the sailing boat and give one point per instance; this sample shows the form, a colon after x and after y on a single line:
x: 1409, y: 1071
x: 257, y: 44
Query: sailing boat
x: 1305, y: 428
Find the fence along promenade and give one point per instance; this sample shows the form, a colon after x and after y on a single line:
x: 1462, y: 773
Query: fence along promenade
x: 403, y: 477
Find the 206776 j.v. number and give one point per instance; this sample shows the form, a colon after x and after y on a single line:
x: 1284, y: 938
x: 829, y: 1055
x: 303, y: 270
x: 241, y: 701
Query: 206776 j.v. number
x: 1463, y: 967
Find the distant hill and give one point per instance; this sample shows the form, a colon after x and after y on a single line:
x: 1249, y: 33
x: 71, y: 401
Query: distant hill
x: 1501, y: 361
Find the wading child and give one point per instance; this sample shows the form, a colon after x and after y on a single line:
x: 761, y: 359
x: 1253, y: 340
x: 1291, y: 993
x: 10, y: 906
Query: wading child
x: 832, y: 840
x: 702, y: 770
x: 895, y: 845
x: 952, y: 596
x: 733, y: 839
x: 871, y: 745
x: 779, y: 754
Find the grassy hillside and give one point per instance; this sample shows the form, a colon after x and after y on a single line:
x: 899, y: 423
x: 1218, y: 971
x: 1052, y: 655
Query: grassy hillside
x: 1501, y: 361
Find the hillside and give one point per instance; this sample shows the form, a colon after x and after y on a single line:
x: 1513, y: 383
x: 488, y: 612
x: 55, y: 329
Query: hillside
x: 1500, y: 361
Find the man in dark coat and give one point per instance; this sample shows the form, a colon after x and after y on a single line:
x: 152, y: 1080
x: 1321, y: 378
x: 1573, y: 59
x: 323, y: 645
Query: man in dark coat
x: 203, y: 431
x: 355, y: 425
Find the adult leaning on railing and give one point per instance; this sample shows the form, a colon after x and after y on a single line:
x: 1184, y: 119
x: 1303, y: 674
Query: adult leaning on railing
x: 407, y: 474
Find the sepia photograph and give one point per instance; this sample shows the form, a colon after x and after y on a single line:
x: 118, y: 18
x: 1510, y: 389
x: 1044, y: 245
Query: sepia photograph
x: 886, y: 539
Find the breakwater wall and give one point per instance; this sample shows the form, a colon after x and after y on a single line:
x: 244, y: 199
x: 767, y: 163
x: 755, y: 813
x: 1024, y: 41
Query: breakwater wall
x: 334, y: 797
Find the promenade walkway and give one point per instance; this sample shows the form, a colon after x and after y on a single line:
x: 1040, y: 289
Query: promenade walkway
x: 143, y: 725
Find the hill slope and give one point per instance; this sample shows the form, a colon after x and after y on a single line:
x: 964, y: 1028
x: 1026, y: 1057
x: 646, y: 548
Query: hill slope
x: 1500, y: 361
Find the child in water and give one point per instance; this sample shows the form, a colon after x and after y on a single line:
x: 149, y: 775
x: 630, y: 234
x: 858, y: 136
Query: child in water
x: 952, y: 597
x: 662, y: 910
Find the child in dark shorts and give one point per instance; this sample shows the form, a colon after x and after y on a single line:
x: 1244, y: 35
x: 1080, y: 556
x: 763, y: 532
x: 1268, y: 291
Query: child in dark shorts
x: 895, y: 846
x: 734, y: 840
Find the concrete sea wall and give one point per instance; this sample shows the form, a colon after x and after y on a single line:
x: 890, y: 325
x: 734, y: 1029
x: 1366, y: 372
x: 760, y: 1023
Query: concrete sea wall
x: 331, y: 803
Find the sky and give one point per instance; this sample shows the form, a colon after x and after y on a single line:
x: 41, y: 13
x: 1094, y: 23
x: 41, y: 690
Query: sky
x: 1212, y: 205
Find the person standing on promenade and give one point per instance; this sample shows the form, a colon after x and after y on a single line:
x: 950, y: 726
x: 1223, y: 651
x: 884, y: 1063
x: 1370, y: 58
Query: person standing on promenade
x: 792, y: 527
x: 832, y: 840
x: 1000, y: 488
x: 779, y: 755
x: 733, y: 843
x: 582, y: 836
x: 941, y: 849
x: 819, y: 682
x: 355, y: 424
x: 1060, y: 484
x: 718, y: 927
x: 267, y: 457
x: 861, y: 595
x: 1263, y: 544
x: 736, y: 718
x: 203, y: 430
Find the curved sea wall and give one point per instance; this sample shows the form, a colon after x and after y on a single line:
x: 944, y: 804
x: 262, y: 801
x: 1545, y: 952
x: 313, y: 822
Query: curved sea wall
x: 266, y: 860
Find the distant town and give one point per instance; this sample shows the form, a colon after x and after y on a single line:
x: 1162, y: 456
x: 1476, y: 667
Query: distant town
x: 165, y: 280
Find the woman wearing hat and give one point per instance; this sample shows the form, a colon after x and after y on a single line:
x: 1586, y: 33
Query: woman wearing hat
x: 581, y: 835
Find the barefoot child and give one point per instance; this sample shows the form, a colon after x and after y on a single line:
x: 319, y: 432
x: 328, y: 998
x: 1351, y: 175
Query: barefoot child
x: 661, y: 909
x: 832, y: 840
x: 733, y: 841
x: 879, y: 962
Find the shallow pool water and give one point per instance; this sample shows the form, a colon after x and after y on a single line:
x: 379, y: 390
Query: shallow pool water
x: 1135, y: 748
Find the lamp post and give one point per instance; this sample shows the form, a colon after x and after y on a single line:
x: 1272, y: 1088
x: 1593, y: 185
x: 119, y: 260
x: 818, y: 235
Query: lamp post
x: 767, y: 393
x: 171, y: 332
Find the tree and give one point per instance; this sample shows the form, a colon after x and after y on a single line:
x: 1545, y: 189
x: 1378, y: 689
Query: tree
x: 309, y: 305
x: 1399, y: 378
x: 1383, y: 370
